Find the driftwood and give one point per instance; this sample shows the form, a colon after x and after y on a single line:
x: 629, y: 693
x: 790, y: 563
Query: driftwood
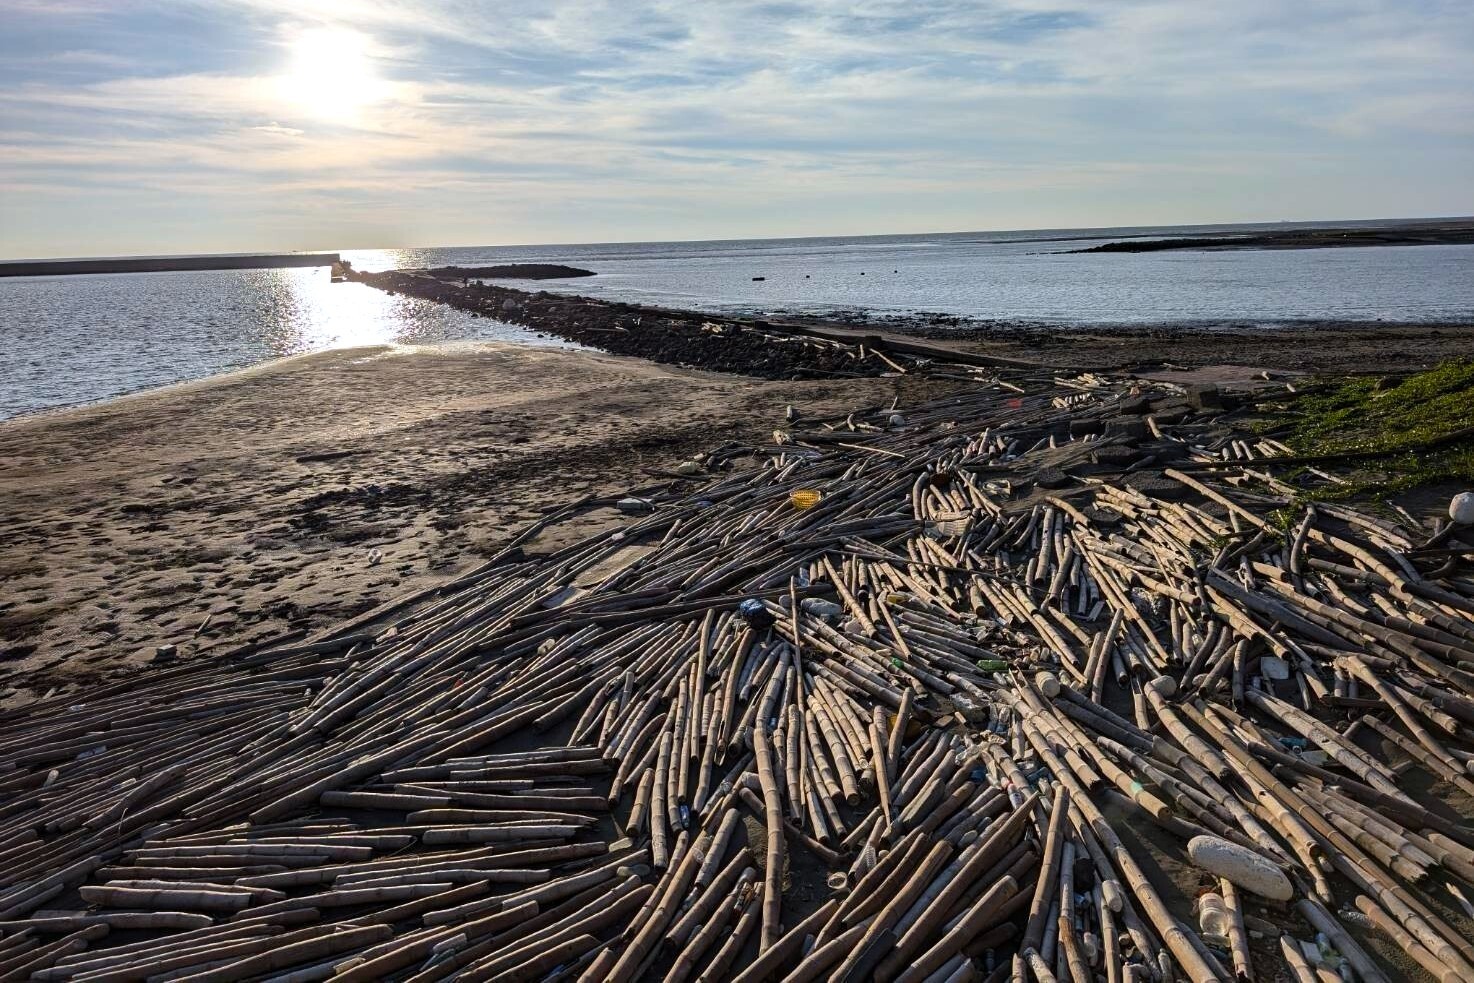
x: 950, y: 689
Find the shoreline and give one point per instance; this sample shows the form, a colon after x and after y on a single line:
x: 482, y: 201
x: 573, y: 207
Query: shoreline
x: 1336, y: 345
x: 672, y: 335
x: 1108, y: 346
x: 223, y: 377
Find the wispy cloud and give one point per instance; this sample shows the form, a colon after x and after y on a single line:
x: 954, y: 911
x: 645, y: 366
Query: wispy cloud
x: 602, y: 119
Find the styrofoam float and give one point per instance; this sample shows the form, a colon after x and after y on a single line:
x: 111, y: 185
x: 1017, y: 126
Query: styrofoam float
x: 1245, y: 868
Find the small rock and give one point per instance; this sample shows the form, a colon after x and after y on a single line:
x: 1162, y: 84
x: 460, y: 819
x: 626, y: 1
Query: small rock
x: 1461, y: 509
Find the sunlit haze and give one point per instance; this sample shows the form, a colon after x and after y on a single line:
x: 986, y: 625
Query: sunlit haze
x: 234, y: 125
x: 331, y: 74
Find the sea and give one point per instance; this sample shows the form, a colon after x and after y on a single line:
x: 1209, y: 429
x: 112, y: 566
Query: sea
x: 70, y: 340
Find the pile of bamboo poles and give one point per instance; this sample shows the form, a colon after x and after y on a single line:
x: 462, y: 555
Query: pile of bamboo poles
x: 866, y: 703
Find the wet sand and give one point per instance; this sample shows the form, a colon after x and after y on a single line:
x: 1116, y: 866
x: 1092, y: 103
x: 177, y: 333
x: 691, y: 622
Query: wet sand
x: 1331, y: 347
x: 306, y: 491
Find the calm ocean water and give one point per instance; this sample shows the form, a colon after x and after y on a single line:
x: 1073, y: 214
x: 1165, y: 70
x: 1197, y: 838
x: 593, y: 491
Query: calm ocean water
x: 69, y: 340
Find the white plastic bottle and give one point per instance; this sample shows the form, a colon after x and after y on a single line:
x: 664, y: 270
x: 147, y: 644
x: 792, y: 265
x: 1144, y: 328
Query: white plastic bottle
x: 1212, y: 915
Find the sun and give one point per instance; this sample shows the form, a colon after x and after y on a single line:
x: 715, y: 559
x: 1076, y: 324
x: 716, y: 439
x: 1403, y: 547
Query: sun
x: 332, y: 73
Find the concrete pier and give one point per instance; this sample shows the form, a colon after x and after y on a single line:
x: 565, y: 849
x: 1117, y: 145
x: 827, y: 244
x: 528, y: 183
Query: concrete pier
x: 162, y: 264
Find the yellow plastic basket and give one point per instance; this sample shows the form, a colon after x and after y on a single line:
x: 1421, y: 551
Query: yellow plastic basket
x: 806, y: 498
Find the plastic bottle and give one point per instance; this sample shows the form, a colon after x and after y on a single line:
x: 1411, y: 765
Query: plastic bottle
x: 1212, y: 915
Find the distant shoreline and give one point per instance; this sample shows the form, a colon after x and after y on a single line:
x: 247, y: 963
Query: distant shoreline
x: 1457, y: 233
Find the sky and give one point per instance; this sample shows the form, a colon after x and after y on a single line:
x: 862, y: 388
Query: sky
x: 181, y: 126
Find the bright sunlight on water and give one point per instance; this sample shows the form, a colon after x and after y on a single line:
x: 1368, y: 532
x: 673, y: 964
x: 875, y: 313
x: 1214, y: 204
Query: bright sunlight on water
x: 78, y: 339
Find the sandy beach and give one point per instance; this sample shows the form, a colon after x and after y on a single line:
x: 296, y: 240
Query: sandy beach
x: 302, y: 492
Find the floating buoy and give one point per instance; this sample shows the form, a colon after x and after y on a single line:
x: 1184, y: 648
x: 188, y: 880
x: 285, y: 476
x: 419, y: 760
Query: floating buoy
x: 1048, y: 684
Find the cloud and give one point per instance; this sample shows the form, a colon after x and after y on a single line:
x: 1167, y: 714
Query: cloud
x: 276, y: 129
x: 969, y: 114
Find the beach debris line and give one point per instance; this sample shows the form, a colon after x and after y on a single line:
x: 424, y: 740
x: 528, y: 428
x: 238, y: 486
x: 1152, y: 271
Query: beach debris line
x: 939, y: 723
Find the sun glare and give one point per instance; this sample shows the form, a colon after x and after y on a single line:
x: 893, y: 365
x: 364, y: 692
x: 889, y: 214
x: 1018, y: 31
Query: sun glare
x: 332, y: 73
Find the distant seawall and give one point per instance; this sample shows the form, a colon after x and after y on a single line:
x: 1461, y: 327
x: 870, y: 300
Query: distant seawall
x: 64, y: 267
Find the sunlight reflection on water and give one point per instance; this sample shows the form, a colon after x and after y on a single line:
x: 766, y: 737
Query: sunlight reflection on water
x: 78, y: 339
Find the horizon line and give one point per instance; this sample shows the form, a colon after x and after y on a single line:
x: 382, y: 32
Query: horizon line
x: 648, y: 242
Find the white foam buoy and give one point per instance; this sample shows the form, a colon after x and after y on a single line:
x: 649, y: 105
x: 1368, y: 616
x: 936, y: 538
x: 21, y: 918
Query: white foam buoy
x: 1165, y: 685
x: 821, y: 608
x: 1245, y: 868
x: 1048, y: 684
x: 1461, y: 509
x: 1272, y: 667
